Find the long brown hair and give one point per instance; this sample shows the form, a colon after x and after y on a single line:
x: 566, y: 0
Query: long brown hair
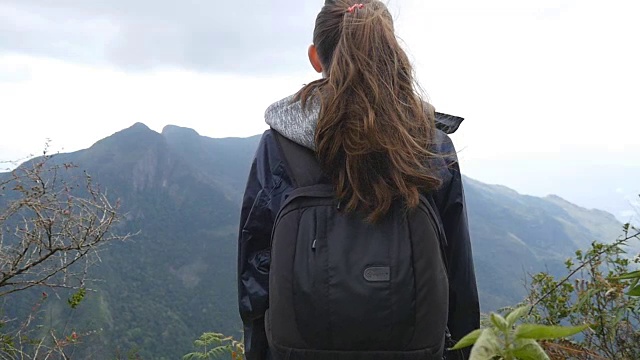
x: 374, y: 131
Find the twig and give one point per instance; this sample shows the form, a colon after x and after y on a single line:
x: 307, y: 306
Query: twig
x: 584, y: 263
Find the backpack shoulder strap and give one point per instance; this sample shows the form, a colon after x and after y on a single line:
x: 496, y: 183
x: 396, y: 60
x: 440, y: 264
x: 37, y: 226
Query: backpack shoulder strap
x: 301, y: 163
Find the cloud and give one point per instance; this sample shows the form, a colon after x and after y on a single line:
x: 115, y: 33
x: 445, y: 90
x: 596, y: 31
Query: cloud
x: 76, y: 105
x: 14, y: 73
x: 214, y: 36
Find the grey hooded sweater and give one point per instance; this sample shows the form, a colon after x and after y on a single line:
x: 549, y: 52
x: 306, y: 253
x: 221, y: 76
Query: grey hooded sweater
x: 298, y: 124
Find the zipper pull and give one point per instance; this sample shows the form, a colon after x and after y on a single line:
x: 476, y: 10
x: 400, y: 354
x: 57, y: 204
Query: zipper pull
x: 313, y: 245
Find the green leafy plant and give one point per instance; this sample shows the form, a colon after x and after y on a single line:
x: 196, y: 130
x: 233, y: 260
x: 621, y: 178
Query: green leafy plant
x: 76, y: 298
x: 595, y: 292
x: 508, y: 341
x: 215, y: 345
x: 634, y: 276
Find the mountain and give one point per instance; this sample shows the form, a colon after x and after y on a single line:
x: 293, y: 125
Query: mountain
x: 516, y: 235
x: 617, y: 186
x: 176, y: 278
x: 225, y: 161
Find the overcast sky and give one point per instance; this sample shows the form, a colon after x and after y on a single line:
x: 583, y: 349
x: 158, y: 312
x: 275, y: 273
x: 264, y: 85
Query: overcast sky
x: 546, y: 82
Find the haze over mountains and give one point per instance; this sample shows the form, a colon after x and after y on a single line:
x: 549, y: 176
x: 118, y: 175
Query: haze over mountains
x: 579, y: 179
x: 176, y: 279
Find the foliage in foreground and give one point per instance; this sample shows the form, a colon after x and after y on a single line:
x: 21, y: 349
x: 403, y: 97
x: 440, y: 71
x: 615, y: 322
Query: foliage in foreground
x: 602, y: 290
x: 506, y: 340
x: 598, y: 297
x: 51, y: 226
x: 214, y: 346
x: 53, y: 223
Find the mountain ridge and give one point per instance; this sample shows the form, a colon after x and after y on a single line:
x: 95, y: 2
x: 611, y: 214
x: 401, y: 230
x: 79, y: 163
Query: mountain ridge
x: 182, y: 191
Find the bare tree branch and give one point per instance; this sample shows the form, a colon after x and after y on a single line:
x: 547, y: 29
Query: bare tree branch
x: 51, y: 229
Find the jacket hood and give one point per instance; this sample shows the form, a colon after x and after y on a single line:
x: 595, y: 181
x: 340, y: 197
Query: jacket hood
x: 298, y: 124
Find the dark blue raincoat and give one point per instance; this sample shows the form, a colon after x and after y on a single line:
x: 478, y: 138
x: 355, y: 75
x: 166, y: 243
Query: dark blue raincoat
x: 268, y: 182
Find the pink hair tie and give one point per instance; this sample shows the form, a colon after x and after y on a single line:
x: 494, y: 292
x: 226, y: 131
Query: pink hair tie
x: 354, y: 7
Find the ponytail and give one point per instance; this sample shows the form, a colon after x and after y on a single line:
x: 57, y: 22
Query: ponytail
x: 374, y: 131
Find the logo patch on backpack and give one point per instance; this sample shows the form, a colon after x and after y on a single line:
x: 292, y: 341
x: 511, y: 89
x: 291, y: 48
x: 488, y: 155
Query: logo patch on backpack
x: 377, y: 274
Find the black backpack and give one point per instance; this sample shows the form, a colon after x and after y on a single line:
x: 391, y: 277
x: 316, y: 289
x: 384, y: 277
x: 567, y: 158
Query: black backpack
x: 343, y: 288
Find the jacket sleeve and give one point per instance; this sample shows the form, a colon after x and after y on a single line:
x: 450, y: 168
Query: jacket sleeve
x: 267, y: 185
x: 254, y: 239
x: 464, y: 309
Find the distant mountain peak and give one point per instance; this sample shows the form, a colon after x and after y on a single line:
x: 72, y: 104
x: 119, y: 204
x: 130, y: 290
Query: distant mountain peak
x: 137, y: 136
x: 174, y: 130
x: 138, y: 126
